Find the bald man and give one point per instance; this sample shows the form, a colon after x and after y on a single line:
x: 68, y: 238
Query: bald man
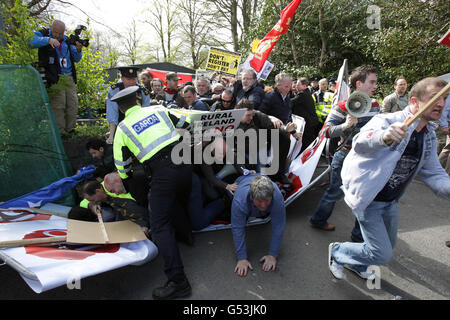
x: 58, y: 58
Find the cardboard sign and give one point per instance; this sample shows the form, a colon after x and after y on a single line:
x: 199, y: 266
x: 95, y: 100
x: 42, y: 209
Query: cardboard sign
x: 226, y: 62
x: 90, y: 232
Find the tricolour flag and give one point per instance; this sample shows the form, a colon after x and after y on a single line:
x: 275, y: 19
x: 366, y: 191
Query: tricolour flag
x: 268, y: 42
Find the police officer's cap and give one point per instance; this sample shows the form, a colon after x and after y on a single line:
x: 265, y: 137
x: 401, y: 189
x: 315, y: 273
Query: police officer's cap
x: 332, y: 82
x: 128, y: 71
x: 127, y: 95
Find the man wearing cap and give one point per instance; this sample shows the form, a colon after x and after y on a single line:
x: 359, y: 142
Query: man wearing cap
x: 171, y: 89
x: 128, y: 78
x: 150, y: 134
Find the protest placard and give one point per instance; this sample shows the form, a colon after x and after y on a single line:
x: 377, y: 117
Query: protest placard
x: 226, y: 62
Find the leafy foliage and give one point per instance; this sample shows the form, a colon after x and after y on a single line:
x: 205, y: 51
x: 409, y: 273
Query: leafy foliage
x: 324, y: 33
x: 19, y: 28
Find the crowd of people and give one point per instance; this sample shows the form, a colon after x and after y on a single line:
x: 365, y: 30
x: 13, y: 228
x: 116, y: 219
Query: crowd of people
x: 377, y: 157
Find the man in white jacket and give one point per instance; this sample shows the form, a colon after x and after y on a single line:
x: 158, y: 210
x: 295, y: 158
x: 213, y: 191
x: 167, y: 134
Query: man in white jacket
x: 385, y: 158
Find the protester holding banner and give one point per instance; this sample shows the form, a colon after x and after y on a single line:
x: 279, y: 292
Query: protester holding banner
x: 387, y: 155
x: 340, y: 123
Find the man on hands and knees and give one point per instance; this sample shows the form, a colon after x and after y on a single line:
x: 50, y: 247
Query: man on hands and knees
x: 257, y: 196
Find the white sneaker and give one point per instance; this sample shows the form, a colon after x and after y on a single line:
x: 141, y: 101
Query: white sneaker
x: 337, y: 270
x: 364, y: 274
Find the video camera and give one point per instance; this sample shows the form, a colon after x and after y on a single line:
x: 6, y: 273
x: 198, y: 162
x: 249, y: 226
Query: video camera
x: 76, y: 37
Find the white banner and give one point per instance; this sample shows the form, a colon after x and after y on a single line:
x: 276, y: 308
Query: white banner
x: 302, y: 168
x: 63, y: 263
x: 265, y: 71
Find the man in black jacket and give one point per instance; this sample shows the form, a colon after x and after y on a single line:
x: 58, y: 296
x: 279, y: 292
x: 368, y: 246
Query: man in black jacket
x: 251, y: 89
x: 257, y: 120
x: 57, y: 56
x: 277, y: 103
x: 303, y: 106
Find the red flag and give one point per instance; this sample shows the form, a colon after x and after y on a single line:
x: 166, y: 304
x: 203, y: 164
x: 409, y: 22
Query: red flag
x: 266, y: 45
x: 445, y: 40
x: 161, y: 74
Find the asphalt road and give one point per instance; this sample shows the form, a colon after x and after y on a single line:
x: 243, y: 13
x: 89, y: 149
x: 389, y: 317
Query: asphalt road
x: 418, y: 270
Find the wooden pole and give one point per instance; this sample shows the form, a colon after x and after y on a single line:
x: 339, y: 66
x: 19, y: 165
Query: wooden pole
x: 429, y: 104
x: 27, y: 242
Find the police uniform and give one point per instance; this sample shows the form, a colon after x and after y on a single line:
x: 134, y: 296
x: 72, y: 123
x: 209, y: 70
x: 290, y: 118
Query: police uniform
x: 112, y: 110
x: 323, y: 101
x: 149, y: 134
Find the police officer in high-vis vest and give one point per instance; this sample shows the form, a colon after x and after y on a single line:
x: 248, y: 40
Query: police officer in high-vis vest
x: 323, y: 100
x: 149, y: 134
x: 128, y: 78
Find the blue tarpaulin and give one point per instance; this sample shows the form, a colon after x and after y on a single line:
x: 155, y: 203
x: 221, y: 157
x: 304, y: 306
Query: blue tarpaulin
x: 51, y: 192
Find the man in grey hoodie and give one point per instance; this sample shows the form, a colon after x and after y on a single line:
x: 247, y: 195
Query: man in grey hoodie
x: 386, y: 156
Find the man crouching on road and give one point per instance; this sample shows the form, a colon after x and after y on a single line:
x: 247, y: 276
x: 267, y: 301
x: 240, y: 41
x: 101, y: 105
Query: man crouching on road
x: 257, y: 196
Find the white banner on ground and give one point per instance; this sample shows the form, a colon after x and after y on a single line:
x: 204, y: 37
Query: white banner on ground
x: 63, y: 263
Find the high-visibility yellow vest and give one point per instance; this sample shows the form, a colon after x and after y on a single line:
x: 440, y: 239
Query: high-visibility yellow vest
x: 323, y: 108
x: 85, y: 202
x: 144, y: 132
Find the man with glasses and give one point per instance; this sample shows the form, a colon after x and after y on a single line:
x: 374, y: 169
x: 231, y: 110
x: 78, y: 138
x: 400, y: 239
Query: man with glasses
x: 226, y: 102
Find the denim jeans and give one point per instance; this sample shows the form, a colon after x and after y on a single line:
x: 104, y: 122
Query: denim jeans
x: 201, y: 216
x: 332, y: 194
x: 379, y: 223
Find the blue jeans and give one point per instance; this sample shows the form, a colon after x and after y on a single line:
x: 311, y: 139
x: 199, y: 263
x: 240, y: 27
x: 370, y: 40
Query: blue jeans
x: 200, y: 216
x: 333, y: 194
x: 379, y: 223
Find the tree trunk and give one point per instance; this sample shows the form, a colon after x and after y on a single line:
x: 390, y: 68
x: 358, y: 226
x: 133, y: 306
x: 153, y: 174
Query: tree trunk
x: 234, y: 25
x: 323, y: 38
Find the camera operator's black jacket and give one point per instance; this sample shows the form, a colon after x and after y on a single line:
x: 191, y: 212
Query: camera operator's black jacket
x: 52, y: 70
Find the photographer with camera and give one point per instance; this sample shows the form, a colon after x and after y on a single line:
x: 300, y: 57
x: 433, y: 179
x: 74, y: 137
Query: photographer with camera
x: 57, y: 57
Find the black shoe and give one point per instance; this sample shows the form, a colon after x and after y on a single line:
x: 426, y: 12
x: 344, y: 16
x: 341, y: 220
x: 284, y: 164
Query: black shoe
x: 447, y: 243
x: 172, y: 290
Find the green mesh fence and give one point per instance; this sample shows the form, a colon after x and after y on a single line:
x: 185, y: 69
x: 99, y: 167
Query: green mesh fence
x: 31, y: 152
